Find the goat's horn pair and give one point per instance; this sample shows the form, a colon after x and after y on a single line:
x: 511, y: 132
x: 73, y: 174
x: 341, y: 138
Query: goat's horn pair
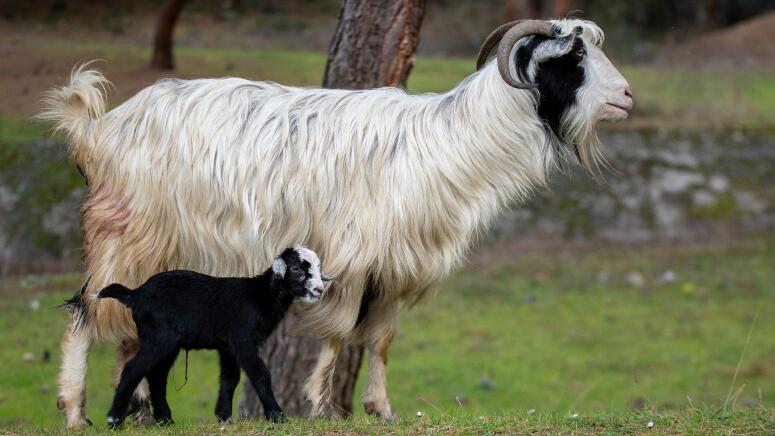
x: 508, y: 35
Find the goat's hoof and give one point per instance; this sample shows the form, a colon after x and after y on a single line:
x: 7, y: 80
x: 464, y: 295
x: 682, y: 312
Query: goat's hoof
x: 114, y: 423
x: 143, y: 416
x: 78, y: 421
x: 382, y: 410
x: 277, y: 416
x: 60, y: 403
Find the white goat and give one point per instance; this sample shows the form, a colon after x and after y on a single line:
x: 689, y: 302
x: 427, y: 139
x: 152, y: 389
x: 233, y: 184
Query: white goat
x: 391, y: 189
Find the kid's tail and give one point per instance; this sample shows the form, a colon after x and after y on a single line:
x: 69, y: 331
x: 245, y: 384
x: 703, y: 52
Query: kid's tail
x: 73, y: 108
x: 117, y: 291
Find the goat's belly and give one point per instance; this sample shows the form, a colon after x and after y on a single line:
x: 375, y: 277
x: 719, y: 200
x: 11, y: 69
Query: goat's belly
x: 205, y: 337
x: 200, y: 343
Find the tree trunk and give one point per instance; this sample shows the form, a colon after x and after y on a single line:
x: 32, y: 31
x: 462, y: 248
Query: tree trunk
x: 290, y: 360
x: 373, y: 46
x: 162, y: 42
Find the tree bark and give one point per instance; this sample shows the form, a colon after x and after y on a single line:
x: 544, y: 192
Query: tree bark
x: 162, y: 42
x: 290, y: 359
x: 373, y: 46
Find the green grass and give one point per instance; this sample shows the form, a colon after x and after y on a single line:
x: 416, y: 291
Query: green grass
x: 16, y: 130
x: 561, y: 334
x: 692, y: 421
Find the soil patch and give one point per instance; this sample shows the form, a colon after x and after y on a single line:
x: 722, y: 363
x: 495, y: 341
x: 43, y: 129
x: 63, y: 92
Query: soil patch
x: 745, y: 45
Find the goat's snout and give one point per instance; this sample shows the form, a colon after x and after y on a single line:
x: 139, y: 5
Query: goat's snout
x: 314, y: 294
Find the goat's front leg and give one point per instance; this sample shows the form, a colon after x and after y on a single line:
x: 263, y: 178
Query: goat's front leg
x: 378, y: 330
x: 261, y: 379
x: 320, y: 382
x: 72, y: 376
x: 229, y: 381
x: 157, y: 382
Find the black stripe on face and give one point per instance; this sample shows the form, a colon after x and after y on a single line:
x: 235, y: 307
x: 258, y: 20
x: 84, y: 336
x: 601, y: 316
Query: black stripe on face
x: 558, y: 80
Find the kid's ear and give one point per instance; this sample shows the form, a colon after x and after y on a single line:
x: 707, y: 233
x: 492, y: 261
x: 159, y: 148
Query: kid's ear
x: 278, y: 267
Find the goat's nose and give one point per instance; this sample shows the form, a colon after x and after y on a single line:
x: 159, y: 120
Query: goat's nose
x: 628, y: 91
x: 318, y: 290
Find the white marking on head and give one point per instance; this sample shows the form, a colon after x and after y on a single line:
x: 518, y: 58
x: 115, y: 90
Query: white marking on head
x: 603, y: 83
x: 603, y: 95
x: 278, y: 267
x: 314, y: 284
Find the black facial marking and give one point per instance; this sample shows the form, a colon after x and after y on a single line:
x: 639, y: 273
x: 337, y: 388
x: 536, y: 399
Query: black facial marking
x: 297, y: 272
x: 558, y: 79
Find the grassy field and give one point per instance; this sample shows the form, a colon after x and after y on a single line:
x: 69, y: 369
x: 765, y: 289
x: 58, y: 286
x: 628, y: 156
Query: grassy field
x: 561, y: 334
x: 552, y: 343
x: 692, y: 421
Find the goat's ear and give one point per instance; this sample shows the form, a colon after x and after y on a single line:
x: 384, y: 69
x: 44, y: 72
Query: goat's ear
x: 278, y: 267
x: 557, y: 47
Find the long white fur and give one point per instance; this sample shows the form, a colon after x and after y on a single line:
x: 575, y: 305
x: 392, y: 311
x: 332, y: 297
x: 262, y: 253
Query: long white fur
x: 389, y: 188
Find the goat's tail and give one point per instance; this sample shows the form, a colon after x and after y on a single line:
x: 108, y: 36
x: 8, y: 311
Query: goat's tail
x: 74, y: 107
x: 117, y: 291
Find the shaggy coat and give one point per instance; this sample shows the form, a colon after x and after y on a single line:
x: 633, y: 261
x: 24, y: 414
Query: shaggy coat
x: 177, y: 310
x: 391, y: 189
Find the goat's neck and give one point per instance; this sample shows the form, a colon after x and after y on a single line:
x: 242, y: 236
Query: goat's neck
x: 492, y: 147
x: 272, y: 298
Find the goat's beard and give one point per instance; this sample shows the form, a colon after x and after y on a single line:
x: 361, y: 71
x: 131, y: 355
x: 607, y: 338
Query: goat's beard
x: 578, y: 130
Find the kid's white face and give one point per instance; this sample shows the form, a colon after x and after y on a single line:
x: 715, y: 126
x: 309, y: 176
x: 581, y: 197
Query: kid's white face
x: 314, y: 284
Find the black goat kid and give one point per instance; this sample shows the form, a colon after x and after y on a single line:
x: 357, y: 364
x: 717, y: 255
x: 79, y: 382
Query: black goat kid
x: 186, y: 310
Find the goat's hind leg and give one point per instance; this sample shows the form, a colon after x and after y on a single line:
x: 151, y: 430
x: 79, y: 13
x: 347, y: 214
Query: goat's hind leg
x: 230, y: 374
x: 139, y: 405
x: 134, y: 371
x: 72, y: 376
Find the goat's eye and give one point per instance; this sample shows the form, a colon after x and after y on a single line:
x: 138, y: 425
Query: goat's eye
x: 580, y: 53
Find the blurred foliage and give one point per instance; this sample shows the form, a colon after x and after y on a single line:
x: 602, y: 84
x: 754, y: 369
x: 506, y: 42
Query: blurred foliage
x: 646, y: 17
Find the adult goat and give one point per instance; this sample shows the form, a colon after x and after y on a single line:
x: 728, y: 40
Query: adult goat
x: 217, y: 175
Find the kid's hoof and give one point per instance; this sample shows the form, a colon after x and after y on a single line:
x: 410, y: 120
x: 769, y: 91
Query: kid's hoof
x: 277, y: 417
x: 114, y: 423
x: 60, y: 403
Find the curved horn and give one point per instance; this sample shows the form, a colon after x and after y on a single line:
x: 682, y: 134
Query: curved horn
x: 521, y: 30
x: 491, y: 41
x: 508, y: 35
